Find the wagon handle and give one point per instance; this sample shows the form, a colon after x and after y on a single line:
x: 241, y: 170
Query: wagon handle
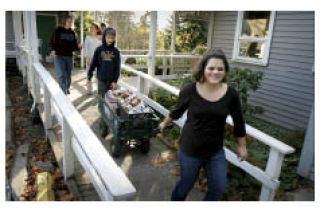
x: 157, y: 130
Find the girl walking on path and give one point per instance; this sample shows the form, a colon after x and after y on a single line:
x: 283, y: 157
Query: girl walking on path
x: 209, y: 101
x: 91, y: 42
x: 63, y: 43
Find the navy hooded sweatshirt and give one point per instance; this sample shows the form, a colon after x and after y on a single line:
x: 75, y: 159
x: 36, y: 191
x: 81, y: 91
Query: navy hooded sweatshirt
x: 107, y: 61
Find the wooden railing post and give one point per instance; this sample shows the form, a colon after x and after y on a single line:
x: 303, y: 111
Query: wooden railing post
x: 47, y: 108
x: 25, y: 68
x: 273, y: 169
x: 36, y: 88
x: 164, y: 65
x: 68, y: 155
x: 29, y: 74
x: 172, y: 71
x: 141, y: 84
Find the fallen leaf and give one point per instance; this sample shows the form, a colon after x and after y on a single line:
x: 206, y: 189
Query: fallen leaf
x: 60, y: 193
x: 175, y: 171
x: 158, y: 162
x: 295, y: 183
x: 36, y: 169
x: 18, y: 119
x: 58, y: 173
x: 172, y: 156
x: 67, y: 197
x: 310, y: 190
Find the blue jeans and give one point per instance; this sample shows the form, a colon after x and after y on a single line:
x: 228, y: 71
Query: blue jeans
x: 216, y: 172
x: 64, y: 66
x: 103, y: 87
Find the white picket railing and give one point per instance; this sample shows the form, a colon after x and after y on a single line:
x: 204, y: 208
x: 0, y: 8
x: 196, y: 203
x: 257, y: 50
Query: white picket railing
x: 269, y: 177
x: 174, y: 67
x: 78, y: 139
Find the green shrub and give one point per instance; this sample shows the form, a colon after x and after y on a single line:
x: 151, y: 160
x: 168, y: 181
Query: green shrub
x: 244, y: 80
x: 125, y: 73
x: 141, y: 61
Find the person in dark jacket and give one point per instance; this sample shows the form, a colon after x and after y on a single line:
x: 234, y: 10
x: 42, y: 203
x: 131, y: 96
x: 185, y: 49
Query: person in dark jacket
x: 209, y: 101
x: 106, y: 59
x: 63, y: 43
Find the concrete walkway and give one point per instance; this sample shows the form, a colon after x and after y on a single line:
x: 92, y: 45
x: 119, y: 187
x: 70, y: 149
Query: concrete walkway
x: 151, y: 183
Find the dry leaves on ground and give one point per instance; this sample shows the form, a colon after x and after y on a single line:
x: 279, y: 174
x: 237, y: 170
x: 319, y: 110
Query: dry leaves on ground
x: 171, y: 157
x: 175, y: 171
x: 10, y: 152
x: 202, y: 181
x: 158, y: 162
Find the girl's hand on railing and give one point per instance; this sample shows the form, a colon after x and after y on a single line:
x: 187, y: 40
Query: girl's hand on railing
x: 242, y: 152
x: 162, y: 126
x: 166, y: 123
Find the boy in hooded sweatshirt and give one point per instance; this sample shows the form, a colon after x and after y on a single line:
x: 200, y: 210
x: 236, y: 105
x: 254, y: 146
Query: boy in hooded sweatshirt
x: 107, y: 60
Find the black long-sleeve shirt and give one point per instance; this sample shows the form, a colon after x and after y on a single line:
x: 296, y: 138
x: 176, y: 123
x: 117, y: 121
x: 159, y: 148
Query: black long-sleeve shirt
x: 203, y: 133
x: 63, y: 41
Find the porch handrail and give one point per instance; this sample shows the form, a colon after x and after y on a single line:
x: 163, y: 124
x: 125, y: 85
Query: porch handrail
x: 181, y: 56
x: 78, y: 139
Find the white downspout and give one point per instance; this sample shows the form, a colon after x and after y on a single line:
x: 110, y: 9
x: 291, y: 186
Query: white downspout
x: 210, y: 31
x: 152, y: 44
x: 81, y: 40
x: 173, y: 41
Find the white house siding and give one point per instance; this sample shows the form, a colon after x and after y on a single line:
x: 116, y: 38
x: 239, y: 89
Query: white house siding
x: 287, y: 90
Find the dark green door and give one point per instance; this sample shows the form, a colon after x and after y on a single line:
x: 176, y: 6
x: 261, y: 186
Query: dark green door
x: 45, y: 26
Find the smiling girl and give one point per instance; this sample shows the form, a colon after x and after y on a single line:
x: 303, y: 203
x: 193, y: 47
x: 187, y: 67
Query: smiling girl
x: 209, y: 101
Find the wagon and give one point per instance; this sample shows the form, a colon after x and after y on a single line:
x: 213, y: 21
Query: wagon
x: 127, y: 129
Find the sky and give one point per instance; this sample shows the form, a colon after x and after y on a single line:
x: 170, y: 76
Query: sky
x: 163, y: 18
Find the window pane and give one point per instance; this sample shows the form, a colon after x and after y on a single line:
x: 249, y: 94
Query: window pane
x: 255, y: 23
x: 251, y: 49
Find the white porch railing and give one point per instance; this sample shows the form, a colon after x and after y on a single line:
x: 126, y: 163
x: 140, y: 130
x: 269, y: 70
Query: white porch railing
x: 78, y: 140
x: 268, y: 177
x: 173, y: 66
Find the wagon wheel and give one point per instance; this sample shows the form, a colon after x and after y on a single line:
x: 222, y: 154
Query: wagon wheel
x: 104, y: 129
x: 145, y: 146
x: 115, y: 147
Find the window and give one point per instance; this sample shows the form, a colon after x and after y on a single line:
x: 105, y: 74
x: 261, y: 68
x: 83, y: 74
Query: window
x: 253, y: 37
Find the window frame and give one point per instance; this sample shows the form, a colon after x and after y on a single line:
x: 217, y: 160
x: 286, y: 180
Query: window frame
x: 267, y: 40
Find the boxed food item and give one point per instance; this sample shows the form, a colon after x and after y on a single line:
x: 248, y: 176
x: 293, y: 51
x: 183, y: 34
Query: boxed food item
x: 112, y: 101
x: 128, y: 100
